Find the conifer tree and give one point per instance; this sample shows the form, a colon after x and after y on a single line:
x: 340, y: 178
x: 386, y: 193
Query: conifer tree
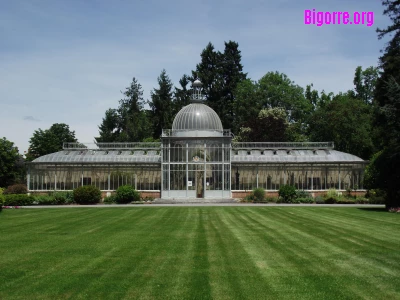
x: 161, y: 105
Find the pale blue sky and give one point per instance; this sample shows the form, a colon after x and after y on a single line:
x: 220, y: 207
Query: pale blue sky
x: 67, y: 61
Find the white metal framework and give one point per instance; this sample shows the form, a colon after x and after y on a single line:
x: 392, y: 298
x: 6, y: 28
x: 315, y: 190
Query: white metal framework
x: 197, y: 159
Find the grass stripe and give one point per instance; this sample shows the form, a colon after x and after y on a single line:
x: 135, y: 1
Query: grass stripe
x: 199, y: 253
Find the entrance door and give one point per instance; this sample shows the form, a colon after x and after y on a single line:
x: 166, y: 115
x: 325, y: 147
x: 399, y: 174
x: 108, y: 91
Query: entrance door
x: 200, y: 184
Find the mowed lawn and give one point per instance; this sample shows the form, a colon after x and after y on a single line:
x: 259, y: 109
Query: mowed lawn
x: 200, y: 253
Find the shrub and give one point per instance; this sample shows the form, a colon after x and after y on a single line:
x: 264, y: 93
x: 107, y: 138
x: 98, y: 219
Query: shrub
x: 127, y: 194
x: 16, y: 189
x: 319, y: 200
x: 259, y: 194
x: 287, y: 193
x: 376, y: 196
x: 271, y: 199
x: 1, y: 201
x: 249, y: 198
x: 63, y: 197
x: 345, y: 201
x: 331, y: 196
x: 87, y: 194
x: 44, y: 200
x: 302, y: 194
x: 362, y: 200
x: 377, y: 200
x: 110, y: 199
x: 305, y: 200
x: 18, y: 200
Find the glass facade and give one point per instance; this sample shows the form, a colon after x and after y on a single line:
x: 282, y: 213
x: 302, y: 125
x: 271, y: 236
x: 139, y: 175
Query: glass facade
x: 45, y: 177
x: 196, y: 168
x: 302, y: 176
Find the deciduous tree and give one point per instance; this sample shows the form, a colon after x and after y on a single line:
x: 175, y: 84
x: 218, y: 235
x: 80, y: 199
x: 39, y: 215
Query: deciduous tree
x: 346, y: 121
x: 12, y: 169
x: 270, y: 125
x: 50, y: 140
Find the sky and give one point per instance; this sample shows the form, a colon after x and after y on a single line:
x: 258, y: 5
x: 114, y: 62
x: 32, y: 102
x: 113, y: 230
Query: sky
x: 68, y: 61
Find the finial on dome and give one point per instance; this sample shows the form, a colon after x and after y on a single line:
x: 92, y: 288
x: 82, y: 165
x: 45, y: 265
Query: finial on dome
x: 197, y: 96
x: 197, y: 83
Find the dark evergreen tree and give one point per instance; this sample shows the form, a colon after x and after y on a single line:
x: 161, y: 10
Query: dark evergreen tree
x: 161, y: 105
x: 128, y: 123
x: 110, y: 127
x: 208, y: 71
x: 387, y: 110
x: 182, y: 94
x: 232, y: 75
x: 133, y: 122
x: 220, y: 74
x: 389, y: 64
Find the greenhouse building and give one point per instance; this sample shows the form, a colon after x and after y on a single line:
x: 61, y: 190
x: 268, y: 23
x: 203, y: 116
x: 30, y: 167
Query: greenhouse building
x: 197, y: 159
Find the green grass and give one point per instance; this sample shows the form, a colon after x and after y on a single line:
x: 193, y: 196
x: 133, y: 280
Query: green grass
x: 199, y: 253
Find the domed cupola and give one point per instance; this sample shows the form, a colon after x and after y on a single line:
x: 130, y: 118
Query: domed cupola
x: 197, y: 119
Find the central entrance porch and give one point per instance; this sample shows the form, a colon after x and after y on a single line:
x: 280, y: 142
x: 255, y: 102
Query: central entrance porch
x: 194, y: 169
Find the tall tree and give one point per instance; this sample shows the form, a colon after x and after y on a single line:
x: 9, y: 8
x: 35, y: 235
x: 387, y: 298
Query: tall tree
x: 273, y: 90
x: 181, y: 94
x: 389, y: 64
x: 365, y: 83
x: 220, y: 74
x: 109, y: 128
x: 277, y: 90
x: 232, y: 75
x: 50, y: 140
x: 270, y: 125
x: 161, y: 105
x: 346, y: 121
x: 128, y: 123
x: 208, y: 71
x: 133, y: 121
x: 247, y: 105
x: 312, y: 96
x: 387, y: 110
x: 12, y: 169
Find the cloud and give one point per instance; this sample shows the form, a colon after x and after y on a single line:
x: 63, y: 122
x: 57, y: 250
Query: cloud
x: 31, y: 118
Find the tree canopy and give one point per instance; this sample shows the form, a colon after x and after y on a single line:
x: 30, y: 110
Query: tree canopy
x: 386, y: 163
x: 129, y: 122
x: 50, y: 140
x: 270, y: 125
x: 161, y: 104
x: 347, y: 122
x: 220, y: 74
x: 12, y: 167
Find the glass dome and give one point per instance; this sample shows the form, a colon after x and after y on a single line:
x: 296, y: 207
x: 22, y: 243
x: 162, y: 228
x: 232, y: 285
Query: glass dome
x: 197, y: 117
